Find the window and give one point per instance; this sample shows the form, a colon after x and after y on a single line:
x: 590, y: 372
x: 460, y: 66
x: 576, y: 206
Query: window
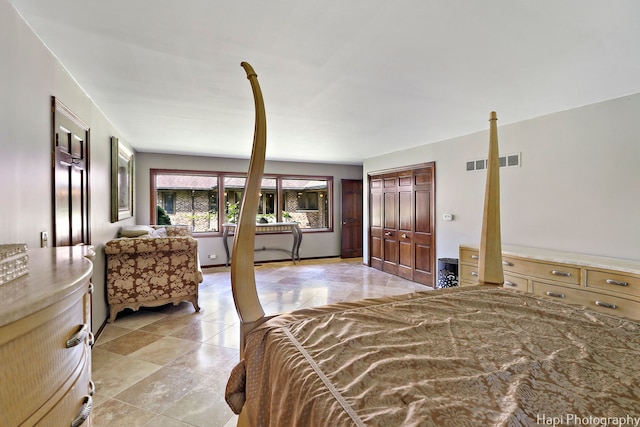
x: 188, y: 198
x: 233, y: 190
x: 192, y: 198
x: 167, y: 201
x: 306, y: 201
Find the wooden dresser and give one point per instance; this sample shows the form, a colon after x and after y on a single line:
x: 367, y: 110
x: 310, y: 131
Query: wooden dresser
x: 607, y: 285
x: 45, y: 341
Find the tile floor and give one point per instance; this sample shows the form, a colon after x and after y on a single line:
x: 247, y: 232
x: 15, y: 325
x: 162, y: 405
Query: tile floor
x: 168, y: 366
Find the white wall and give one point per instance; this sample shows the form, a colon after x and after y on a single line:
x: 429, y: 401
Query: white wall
x: 30, y: 75
x: 316, y: 244
x: 577, y: 189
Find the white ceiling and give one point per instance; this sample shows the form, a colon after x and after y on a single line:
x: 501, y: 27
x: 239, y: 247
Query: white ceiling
x: 342, y: 80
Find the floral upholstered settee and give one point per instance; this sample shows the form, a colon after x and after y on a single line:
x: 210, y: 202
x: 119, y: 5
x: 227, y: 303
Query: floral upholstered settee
x: 151, y: 266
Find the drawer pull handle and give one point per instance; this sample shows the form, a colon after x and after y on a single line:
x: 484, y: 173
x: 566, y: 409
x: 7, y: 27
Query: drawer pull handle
x: 404, y: 235
x: 387, y: 233
x: 84, y: 413
x: 78, y: 337
x: 605, y: 304
x: 560, y: 273
x: 507, y: 263
x: 92, y: 388
x: 616, y: 282
x: 473, y: 273
x: 508, y: 283
x: 555, y: 294
x: 475, y: 257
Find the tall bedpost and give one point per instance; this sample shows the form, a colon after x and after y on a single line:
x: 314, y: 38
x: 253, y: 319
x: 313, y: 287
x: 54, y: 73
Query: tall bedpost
x: 490, y: 262
x: 243, y: 280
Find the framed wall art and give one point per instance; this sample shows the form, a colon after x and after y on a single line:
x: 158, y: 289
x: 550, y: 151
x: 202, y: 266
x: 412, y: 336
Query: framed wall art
x: 121, y: 181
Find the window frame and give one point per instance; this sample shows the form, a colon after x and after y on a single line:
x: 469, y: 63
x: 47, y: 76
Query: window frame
x: 220, y: 176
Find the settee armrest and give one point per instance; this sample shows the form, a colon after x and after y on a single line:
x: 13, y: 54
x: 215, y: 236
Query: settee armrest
x: 146, y: 244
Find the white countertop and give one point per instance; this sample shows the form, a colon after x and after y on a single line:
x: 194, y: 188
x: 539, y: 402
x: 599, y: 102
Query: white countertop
x: 589, y: 261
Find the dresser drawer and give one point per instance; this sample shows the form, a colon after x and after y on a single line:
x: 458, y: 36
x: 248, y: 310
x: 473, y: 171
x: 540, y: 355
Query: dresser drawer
x: 469, y: 256
x: 37, y: 361
x: 615, y: 282
x: 75, y: 405
x: 607, y: 304
x: 541, y: 270
x: 515, y: 282
x: 568, y: 295
x: 468, y: 273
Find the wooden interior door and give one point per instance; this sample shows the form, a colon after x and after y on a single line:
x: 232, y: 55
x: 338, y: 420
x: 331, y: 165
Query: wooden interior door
x: 351, y: 229
x: 424, y: 262
x: 401, y: 213
x: 405, y: 225
x: 390, y: 223
x: 71, y: 222
x: 375, y: 221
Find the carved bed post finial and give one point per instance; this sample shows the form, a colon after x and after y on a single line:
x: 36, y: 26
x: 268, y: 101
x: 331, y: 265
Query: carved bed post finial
x: 490, y: 262
x: 243, y: 281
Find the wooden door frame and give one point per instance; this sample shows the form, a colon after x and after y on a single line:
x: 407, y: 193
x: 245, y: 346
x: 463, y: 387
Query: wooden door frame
x: 376, y: 173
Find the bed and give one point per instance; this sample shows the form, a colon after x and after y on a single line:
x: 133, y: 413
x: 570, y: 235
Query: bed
x: 468, y: 356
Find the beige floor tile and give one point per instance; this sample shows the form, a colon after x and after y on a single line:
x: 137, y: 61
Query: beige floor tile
x: 199, y: 407
x: 172, y: 323
x: 200, y: 331
x: 162, y: 421
x: 112, y: 373
x: 164, y: 350
x: 128, y: 343
x: 207, y: 360
x: 137, y: 319
x: 160, y: 390
x: 110, y: 332
x: 229, y: 337
x: 113, y: 413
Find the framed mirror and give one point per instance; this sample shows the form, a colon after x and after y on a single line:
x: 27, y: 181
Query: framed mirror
x: 121, y: 181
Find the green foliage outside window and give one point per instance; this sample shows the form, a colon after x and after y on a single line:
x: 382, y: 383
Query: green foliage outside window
x: 163, y: 218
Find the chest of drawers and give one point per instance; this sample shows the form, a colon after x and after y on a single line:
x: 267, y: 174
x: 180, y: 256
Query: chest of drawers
x: 45, y: 341
x: 607, y: 285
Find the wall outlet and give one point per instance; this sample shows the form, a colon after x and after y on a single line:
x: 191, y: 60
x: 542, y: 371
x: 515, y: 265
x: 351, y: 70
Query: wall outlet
x: 213, y: 256
x: 44, y: 239
x: 447, y: 217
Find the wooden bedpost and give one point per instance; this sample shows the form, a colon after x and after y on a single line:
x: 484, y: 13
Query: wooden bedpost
x: 490, y: 262
x: 243, y: 280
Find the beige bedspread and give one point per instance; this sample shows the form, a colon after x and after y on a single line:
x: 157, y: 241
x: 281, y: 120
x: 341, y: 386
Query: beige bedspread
x: 470, y: 356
